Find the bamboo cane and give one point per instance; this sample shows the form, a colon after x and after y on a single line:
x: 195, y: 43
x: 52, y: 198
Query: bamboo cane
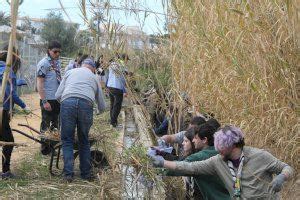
x: 12, y: 144
x: 14, y: 13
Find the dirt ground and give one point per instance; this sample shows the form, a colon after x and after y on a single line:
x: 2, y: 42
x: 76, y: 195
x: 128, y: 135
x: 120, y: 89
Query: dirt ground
x: 33, y: 120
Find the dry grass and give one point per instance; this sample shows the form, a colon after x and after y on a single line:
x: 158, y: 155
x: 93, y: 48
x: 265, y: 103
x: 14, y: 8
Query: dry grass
x: 241, y: 62
x: 34, y: 181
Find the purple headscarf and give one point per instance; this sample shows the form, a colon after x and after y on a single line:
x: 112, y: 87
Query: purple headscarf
x: 227, y: 137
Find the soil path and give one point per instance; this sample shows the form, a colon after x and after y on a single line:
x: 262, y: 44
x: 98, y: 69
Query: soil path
x: 33, y: 120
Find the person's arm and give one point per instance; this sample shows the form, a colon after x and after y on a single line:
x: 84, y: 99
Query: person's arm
x: 192, y: 158
x: 274, y: 166
x: 100, y: 99
x: 170, y: 172
x: 107, y: 77
x: 123, y: 80
x: 170, y: 139
x: 61, y: 87
x: 192, y: 168
x: 40, y: 87
x: 41, y: 74
x: 124, y: 85
x: 16, y: 99
x: 174, y: 138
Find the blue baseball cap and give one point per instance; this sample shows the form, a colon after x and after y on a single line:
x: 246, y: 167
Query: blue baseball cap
x: 89, y: 61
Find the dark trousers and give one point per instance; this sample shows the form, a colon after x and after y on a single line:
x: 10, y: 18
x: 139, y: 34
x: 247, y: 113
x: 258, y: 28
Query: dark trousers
x: 116, y: 99
x: 6, y: 136
x: 50, y: 119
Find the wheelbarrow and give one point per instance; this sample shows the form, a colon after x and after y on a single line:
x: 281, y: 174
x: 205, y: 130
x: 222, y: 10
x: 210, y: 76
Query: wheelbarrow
x: 97, y: 157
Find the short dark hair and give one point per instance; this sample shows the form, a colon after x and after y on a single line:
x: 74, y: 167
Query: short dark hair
x: 82, y: 58
x: 197, y: 121
x: 240, y: 143
x: 214, y: 123
x: 54, y: 44
x: 206, y: 131
x: 189, y: 134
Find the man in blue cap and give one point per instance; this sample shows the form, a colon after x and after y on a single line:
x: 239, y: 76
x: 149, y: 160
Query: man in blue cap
x: 77, y: 92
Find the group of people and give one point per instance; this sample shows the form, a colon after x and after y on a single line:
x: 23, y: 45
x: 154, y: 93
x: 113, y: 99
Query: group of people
x: 215, y: 162
x: 217, y: 165
x: 66, y: 103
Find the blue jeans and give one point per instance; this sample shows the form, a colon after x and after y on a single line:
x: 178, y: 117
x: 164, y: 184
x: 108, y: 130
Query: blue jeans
x: 76, y: 112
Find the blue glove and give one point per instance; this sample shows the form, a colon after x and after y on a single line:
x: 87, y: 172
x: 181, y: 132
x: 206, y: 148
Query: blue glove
x: 151, y: 152
x: 158, y: 161
x: 278, y: 182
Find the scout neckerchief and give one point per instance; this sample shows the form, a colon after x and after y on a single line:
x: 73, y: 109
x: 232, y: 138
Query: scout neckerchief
x: 236, y: 177
x: 55, y: 67
x: 192, y: 187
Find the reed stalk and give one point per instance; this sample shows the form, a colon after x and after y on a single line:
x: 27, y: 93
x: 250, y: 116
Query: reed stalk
x: 240, y: 61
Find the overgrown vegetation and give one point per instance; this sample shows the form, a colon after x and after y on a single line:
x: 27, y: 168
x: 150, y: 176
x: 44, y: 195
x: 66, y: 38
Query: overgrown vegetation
x: 240, y: 60
x: 236, y: 59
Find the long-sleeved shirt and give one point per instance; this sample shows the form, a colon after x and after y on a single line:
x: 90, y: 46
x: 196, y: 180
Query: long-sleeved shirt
x: 116, y: 77
x: 81, y: 83
x: 211, y: 186
x: 257, y: 173
x: 10, y: 90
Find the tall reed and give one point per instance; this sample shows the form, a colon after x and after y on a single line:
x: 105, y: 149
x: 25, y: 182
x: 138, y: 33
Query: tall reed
x: 240, y: 60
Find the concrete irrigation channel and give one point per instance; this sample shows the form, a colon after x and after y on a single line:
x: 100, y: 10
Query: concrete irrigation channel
x: 134, y: 132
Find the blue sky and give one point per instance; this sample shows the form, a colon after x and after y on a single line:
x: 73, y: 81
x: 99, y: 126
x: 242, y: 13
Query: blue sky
x: 153, y: 23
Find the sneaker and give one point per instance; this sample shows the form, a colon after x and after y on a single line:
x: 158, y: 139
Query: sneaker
x: 119, y: 126
x: 114, y: 125
x: 7, y: 175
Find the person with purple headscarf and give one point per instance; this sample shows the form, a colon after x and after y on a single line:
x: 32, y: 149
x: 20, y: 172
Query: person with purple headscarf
x: 247, y: 172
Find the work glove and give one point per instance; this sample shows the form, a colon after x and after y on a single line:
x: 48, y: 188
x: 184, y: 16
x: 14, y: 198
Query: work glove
x: 151, y: 152
x: 278, y: 182
x: 26, y: 110
x: 157, y: 161
x: 161, y: 143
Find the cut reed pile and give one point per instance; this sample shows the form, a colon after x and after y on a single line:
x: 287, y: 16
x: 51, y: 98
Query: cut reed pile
x: 240, y: 60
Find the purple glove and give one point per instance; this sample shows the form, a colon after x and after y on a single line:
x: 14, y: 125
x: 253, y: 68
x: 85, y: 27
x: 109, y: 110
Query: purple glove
x: 278, y: 182
x: 158, y: 161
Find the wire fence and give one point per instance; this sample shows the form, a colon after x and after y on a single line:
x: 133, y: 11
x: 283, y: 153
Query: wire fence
x: 30, y: 56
